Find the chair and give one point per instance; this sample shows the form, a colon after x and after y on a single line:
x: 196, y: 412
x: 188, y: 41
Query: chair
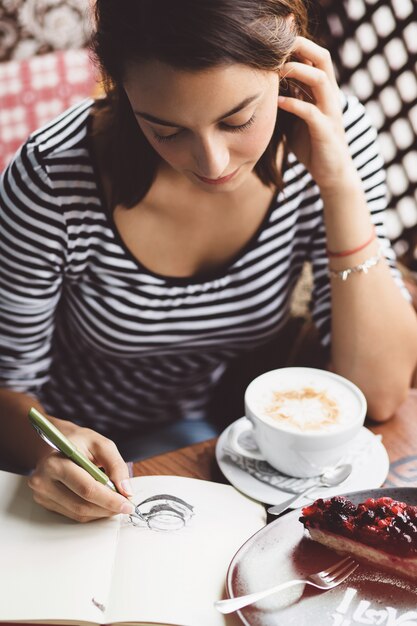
x: 374, y: 48
x: 373, y: 44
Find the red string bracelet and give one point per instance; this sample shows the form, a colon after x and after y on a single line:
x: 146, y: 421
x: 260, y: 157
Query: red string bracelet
x: 348, y: 252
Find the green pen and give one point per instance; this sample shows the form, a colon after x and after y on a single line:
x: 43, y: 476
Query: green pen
x: 57, y: 440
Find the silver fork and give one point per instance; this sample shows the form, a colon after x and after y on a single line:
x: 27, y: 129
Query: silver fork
x: 326, y: 579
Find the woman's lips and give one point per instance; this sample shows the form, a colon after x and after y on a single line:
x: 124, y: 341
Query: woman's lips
x: 217, y: 181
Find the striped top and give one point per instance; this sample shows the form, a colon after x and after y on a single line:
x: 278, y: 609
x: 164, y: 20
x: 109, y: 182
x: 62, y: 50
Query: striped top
x: 105, y: 342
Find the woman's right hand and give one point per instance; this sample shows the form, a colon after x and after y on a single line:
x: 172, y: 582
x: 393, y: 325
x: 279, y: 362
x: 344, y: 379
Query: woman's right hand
x: 62, y: 486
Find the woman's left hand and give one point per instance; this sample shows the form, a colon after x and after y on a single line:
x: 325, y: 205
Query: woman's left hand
x: 318, y: 139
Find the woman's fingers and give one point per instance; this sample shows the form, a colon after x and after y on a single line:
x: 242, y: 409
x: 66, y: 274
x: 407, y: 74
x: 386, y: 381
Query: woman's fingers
x: 107, y: 455
x: 87, y: 488
x: 320, y: 126
x: 73, y: 491
x: 312, y: 68
x: 306, y: 111
x: 61, y: 485
x: 317, y: 137
x: 60, y: 499
x: 320, y: 57
x: 324, y: 94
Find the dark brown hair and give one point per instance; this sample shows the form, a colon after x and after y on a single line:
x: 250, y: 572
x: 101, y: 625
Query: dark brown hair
x: 190, y: 35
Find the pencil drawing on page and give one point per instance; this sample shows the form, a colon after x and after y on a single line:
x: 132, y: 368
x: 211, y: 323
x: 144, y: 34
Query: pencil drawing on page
x: 162, y: 512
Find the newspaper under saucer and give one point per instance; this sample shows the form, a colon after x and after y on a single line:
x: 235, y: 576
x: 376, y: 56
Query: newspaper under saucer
x: 262, y: 482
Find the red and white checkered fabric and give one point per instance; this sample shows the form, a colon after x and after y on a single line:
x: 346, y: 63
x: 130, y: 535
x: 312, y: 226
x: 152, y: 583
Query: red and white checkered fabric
x: 34, y: 91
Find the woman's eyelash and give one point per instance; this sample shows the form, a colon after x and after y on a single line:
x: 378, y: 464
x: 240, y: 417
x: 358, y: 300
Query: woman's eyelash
x: 237, y: 129
x: 227, y: 127
x: 163, y: 139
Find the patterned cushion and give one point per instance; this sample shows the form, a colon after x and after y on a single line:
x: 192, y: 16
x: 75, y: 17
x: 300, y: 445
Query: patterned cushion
x: 34, y: 91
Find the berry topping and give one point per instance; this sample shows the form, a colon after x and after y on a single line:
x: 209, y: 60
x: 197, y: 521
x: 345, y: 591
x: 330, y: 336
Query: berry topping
x: 383, y: 523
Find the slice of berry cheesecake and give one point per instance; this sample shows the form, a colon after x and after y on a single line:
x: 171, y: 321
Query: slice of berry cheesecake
x: 381, y: 532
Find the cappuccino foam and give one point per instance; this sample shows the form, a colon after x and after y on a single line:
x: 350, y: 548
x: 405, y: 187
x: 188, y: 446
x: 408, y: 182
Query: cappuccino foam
x: 304, y: 400
x: 304, y: 409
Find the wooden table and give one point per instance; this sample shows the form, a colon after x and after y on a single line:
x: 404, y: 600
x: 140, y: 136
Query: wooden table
x: 399, y: 436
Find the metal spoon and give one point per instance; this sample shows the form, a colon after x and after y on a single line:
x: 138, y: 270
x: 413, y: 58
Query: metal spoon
x: 330, y: 478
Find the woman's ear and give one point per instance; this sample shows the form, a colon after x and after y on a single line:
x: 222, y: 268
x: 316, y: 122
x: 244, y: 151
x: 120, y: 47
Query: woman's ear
x: 284, y: 87
x: 284, y: 82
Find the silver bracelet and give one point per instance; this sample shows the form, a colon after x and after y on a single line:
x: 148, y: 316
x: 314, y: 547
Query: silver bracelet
x: 362, y: 267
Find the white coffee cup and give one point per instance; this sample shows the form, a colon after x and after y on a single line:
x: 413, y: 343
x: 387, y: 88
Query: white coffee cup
x: 303, y: 419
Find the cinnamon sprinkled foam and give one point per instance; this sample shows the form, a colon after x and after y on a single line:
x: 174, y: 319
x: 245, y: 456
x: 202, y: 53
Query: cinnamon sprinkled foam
x: 304, y: 409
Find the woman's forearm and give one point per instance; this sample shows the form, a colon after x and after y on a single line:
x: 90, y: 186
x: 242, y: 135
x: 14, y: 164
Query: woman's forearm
x: 374, y: 329
x: 20, y: 445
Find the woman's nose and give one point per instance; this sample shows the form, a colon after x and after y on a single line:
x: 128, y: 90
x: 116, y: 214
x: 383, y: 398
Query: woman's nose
x: 211, y: 157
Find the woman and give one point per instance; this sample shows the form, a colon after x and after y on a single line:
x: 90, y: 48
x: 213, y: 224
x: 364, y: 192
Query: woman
x: 152, y: 237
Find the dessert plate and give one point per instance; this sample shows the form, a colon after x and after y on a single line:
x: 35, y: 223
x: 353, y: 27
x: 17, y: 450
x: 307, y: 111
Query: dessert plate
x: 260, y: 481
x: 282, y: 550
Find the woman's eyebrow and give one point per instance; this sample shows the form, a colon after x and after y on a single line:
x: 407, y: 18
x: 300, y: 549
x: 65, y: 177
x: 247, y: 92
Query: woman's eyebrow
x: 236, y: 109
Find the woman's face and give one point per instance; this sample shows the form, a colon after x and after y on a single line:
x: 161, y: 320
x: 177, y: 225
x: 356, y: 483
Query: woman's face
x: 210, y: 126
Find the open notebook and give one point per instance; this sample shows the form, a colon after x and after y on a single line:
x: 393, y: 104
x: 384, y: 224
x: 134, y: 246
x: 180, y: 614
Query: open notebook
x: 53, y: 570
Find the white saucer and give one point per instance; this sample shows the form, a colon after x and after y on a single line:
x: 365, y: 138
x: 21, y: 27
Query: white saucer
x: 370, y: 468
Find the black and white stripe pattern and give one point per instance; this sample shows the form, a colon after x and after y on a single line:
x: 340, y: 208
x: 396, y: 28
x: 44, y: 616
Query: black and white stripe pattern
x: 107, y: 343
